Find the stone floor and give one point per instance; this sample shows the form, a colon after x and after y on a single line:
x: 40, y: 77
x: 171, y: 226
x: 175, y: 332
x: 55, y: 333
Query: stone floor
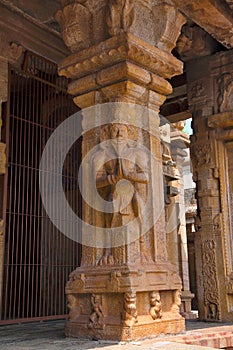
x: 50, y: 336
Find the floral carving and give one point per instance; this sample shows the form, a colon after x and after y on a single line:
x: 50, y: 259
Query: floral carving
x: 201, y: 154
x: 211, y: 289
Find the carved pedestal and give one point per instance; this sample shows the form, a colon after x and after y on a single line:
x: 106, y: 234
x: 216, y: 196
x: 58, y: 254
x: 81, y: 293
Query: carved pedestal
x: 124, y: 303
x: 127, y: 290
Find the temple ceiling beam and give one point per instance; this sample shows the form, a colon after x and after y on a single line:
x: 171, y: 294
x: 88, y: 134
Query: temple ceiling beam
x: 214, y: 16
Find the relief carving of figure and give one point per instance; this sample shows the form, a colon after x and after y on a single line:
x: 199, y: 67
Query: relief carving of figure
x: 121, y: 169
x: 96, y: 318
x: 176, y: 302
x: 74, y: 309
x: 130, y: 310
x: 156, y: 306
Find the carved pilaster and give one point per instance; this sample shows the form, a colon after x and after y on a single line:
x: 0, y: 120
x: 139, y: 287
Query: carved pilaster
x: 210, y: 98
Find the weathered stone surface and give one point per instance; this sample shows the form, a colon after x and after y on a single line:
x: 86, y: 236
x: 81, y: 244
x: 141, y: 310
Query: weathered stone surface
x: 110, y: 295
x: 210, y: 92
x: 34, y: 35
x: 214, y: 16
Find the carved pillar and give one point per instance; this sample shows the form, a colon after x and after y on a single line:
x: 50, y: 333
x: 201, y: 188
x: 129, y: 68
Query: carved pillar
x: 123, y: 58
x: 210, y: 91
x: 180, y: 141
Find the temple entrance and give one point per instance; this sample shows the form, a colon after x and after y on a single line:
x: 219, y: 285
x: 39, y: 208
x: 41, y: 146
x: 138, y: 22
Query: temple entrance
x: 38, y: 258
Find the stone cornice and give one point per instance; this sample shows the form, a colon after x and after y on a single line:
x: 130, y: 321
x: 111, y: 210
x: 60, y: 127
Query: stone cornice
x: 125, y: 47
x: 16, y: 28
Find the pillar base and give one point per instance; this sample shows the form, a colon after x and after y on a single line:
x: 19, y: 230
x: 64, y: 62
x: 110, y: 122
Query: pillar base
x: 124, y: 302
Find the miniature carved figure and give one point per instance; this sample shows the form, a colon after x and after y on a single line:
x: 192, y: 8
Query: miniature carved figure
x: 156, y: 307
x: 176, y: 302
x: 96, y: 318
x: 74, y: 309
x: 121, y: 169
x: 130, y: 310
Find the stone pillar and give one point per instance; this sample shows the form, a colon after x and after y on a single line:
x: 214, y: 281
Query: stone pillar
x: 210, y: 93
x: 3, y: 98
x: 11, y: 52
x: 121, y: 54
x: 180, y: 141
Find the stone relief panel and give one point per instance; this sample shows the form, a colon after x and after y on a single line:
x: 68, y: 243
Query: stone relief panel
x: 210, y: 284
x: 96, y: 317
x: 201, y: 155
x: 224, y: 93
x: 122, y: 174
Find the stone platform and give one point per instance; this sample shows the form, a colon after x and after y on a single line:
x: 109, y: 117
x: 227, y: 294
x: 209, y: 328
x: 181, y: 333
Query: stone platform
x: 50, y: 336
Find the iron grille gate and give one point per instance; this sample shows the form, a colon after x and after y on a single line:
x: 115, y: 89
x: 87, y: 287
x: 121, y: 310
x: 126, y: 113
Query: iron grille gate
x: 38, y: 258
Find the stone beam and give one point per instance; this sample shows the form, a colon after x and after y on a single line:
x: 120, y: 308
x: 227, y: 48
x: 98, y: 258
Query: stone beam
x: 14, y: 27
x: 212, y: 15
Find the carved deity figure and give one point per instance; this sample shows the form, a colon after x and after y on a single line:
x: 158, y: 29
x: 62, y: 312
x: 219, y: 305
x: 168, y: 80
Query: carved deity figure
x: 130, y: 310
x: 121, y: 169
x: 156, y: 306
x: 96, y: 318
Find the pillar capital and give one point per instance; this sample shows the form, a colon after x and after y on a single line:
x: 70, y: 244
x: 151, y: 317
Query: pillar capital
x: 85, y: 23
x: 122, y: 68
x: 123, y: 56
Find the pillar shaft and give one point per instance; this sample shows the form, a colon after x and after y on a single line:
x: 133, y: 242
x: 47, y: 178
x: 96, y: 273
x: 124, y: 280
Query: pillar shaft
x: 118, y: 69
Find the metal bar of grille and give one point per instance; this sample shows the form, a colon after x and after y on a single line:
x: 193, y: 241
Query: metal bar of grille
x: 38, y: 258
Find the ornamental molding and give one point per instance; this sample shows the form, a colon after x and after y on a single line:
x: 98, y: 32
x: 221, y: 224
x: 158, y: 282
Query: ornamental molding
x: 118, y: 49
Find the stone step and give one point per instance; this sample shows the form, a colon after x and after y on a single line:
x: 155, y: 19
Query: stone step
x: 215, y: 337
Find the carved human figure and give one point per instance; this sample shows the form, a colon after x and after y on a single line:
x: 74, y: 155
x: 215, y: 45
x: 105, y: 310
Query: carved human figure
x: 96, y: 317
x: 121, y: 169
x: 130, y: 310
x: 156, y: 306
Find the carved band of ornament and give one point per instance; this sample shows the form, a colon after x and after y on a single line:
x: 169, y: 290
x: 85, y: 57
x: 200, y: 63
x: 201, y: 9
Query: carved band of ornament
x: 225, y: 93
x: 210, y: 284
x: 10, y: 50
x: 201, y: 155
x: 196, y: 92
x: 117, y: 49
